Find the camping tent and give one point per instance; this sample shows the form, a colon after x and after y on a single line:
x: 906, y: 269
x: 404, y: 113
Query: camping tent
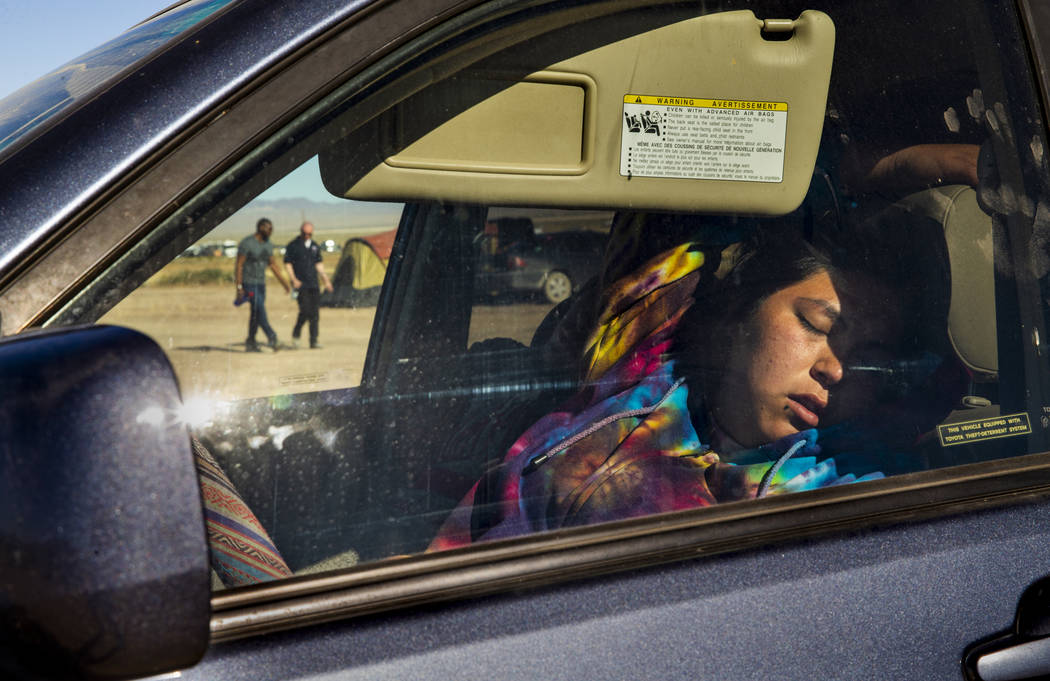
x: 359, y: 275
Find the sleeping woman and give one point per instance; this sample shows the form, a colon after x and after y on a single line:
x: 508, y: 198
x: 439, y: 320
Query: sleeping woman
x: 792, y: 368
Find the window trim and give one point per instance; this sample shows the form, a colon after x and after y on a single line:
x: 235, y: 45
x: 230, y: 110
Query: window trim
x: 580, y: 553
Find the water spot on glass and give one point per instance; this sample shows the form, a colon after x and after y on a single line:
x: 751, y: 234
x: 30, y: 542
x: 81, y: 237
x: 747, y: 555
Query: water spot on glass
x: 1003, y: 261
x: 951, y: 119
x: 991, y: 121
x: 327, y: 439
x: 1039, y: 244
x: 975, y: 105
x: 1038, y: 151
x: 279, y: 433
x: 1027, y: 206
x: 1004, y: 122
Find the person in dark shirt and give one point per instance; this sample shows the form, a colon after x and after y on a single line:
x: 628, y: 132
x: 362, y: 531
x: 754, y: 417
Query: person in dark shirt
x: 302, y: 259
x: 254, y: 255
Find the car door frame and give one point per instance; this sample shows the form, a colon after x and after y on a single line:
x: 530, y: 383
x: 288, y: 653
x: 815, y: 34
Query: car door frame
x: 119, y: 214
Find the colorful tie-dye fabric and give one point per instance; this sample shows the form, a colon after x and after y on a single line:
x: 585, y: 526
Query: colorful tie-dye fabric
x: 626, y: 444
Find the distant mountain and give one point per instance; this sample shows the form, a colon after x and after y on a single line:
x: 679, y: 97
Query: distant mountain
x: 365, y: 217
x: 288, y: 214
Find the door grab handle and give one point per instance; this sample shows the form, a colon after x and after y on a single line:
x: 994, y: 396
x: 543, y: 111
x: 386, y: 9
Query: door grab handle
x: 1021, y: 652
x: 1015, y: 662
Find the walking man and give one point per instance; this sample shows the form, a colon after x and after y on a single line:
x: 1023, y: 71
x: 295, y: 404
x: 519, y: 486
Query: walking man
x: 302, y: 259
x: 254, y: 254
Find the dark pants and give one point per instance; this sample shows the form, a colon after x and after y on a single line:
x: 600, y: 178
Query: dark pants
x: 309, y: 311
x: 257, y: 316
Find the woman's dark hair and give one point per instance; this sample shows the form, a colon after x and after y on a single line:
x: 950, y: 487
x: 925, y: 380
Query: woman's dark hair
x: 908, y: 261
x: 764, y: 263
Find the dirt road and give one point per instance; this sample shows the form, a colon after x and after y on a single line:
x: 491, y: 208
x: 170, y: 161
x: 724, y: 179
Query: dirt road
x: 203, y: 335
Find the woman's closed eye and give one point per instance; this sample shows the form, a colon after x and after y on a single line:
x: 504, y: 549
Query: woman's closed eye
x: 810, y: 326
x: 817, y: 316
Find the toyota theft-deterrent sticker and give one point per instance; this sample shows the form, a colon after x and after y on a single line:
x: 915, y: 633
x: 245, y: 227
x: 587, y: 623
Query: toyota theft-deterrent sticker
x: 703, y: 139
x: 979, y: 430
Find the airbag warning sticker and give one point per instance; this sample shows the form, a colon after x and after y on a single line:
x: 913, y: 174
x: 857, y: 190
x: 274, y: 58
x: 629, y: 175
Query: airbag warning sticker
x: 984, y: 429
x: 703, y: 139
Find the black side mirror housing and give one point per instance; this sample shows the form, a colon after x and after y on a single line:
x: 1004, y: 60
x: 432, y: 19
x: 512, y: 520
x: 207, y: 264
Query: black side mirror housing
x: 103, y: 554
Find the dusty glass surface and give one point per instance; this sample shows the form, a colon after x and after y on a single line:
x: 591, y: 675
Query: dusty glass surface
x: 192, y: 308
x: 512, y: 367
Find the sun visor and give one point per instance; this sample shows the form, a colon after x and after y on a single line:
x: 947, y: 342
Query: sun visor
x: 720, y: 113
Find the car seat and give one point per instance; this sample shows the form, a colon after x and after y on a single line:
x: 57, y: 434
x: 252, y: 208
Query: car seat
x: 971, y: 314
x: 972, y: 332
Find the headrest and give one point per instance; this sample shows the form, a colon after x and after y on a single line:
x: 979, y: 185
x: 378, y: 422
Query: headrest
x: 968, y: 236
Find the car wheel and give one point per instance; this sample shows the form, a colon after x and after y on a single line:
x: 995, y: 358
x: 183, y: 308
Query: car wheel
x: 557, y: 287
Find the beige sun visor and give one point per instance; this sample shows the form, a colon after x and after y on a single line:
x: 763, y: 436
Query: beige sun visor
x: 702, y: 115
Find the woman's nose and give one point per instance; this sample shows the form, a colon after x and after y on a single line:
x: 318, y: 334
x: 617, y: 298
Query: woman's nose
x: 827, y: 370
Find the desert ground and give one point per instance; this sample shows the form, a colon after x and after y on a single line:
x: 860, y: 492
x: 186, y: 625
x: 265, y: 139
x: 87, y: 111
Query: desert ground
x: 203, y: 334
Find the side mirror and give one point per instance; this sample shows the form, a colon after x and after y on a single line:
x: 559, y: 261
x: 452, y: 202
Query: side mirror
x: 104, y: 570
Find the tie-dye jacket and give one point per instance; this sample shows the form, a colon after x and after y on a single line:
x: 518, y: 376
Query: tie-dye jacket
x: 626, y: 445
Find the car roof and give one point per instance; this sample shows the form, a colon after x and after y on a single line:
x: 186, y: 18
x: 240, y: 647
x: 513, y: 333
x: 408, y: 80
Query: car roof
x: 153, y: 82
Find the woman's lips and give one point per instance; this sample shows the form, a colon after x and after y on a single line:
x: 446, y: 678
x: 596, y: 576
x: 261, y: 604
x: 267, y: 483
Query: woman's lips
x: 807, y: 408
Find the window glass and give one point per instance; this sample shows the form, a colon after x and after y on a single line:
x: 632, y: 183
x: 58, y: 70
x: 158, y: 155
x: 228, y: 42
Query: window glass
x: 192, y: 307
x: 518, y: 356
x: 530, y: 260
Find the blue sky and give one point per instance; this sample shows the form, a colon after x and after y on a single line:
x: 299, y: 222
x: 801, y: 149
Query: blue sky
x: 39, y: 36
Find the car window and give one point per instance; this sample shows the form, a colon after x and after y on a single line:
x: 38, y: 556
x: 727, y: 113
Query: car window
x: 528, y: 261
x: 504, y: 353
x: 193, y: 308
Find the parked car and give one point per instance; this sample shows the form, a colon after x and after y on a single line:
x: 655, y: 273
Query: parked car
x: 553, y: 265
x: 172, y: 505
x: 212, y: 249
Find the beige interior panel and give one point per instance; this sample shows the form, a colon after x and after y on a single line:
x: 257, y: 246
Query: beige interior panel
x: 703, y: 115
x: 542, y: 130
x: 968, y: 237
x: 971, y: 316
